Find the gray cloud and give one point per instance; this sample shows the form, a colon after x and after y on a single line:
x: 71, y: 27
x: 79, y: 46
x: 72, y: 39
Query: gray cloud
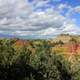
x: 17, y: 17
x: 34, y: 22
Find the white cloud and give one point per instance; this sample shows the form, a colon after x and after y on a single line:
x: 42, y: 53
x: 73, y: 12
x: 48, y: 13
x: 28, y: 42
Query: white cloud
x: 71, y: 28
x: 40, y: 3
x: 35, y: 21
x: 73, y: 10
x: 17, y: 17
x: 14, y: 8
x: 47, y: 31
x: 77, y: 9
x: 62, y: 6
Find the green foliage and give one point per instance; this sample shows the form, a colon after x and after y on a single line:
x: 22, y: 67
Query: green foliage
x: 43, y: 65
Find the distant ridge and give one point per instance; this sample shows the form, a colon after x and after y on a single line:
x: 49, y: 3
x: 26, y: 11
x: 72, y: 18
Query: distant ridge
x: 66, y: 38
x: 6, y: 36
x: 62, y: 37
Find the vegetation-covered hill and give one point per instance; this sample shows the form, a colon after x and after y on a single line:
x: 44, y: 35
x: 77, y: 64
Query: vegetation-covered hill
x: 67, y: 44
x: 57, y: 59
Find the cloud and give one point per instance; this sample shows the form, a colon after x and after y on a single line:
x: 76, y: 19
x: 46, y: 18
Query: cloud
x: 71, y: 28
x: 62, y: 6
x: 14, y: 8
x: 77, y: 9
x: 35, y: 21
x: 73, y: 10
x: 17, y: 17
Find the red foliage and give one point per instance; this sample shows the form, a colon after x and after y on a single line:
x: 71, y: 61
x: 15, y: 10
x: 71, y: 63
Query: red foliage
x: 72, y: 48
x: 22, y: 43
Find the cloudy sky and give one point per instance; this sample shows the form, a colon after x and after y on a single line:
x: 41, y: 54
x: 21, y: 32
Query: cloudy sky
x: 39, y: 18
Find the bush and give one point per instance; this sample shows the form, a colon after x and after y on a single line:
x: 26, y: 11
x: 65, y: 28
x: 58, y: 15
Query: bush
x: 43, y: 65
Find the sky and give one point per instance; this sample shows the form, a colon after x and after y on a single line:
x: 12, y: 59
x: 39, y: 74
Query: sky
x: 39, y: 18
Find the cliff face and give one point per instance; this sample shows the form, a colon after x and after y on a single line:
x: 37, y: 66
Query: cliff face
x: 66, y: 38
x: 67, y: 44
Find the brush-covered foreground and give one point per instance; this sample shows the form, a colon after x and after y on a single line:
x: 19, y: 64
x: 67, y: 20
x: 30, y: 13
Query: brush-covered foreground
x: 40, y: 59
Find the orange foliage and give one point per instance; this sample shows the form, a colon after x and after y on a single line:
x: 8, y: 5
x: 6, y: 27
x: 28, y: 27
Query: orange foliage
x: 72, y: 48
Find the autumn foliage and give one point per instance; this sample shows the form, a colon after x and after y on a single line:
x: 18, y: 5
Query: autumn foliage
x: 39, y: 59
